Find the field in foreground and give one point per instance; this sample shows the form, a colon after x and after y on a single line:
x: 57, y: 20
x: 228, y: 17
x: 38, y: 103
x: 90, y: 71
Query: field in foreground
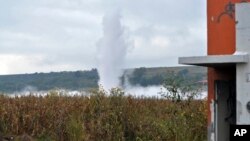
x: 102, y: 118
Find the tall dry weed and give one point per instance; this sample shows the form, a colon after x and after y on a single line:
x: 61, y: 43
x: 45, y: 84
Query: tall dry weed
x: 100, y: 117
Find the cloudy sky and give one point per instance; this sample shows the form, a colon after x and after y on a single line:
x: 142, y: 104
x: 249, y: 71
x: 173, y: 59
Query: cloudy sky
x: 62, y: 35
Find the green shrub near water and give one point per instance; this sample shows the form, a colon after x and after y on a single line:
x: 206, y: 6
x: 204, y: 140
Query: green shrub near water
x: 103, y: 118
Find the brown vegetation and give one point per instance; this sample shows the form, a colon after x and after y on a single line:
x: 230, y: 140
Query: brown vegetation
x: 95, y: 118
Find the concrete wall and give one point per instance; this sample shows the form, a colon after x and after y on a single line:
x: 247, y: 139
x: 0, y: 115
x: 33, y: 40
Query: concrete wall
x: 243, y: 70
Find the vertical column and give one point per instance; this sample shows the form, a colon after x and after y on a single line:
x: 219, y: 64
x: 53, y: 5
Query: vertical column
x: 243, y: 70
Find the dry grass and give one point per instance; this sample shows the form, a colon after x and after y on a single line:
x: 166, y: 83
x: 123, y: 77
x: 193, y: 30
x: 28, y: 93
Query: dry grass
x: 113, y: 118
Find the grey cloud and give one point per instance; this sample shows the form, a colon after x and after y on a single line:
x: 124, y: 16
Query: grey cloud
x: 65, y: 32
x: 168, y: 13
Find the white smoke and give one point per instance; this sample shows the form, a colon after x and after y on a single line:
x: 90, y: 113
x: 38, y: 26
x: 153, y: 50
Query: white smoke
x: 111, y: 51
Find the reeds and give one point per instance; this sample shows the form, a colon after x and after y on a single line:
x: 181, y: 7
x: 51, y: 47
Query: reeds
x: 102, y: 118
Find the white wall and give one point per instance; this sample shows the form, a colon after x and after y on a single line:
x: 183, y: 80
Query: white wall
x: 243, y: 70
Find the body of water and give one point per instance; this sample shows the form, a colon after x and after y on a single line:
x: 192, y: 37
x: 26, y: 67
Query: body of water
x: 136, y: 91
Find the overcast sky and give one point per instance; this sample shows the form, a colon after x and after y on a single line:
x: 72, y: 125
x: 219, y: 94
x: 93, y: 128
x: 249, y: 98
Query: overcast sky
x: 61, y: 35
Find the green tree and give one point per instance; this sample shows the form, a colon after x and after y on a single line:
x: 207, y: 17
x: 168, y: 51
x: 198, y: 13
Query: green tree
x: 177, y: 88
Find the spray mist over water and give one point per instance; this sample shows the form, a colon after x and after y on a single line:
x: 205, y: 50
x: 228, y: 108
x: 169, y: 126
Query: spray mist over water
x: 111, y: 51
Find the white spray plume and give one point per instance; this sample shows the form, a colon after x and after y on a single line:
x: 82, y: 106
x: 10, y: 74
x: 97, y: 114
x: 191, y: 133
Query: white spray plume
x: 111, y: 51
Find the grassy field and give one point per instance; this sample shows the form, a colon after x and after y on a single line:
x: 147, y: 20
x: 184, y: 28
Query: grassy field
x: 101, y: 118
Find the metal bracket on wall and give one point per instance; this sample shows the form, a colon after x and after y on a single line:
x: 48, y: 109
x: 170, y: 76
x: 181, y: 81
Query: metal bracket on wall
x: 229, y: 10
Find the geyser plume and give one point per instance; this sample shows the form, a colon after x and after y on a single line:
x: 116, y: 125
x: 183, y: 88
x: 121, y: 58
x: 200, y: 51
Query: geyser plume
x: 111, y: 51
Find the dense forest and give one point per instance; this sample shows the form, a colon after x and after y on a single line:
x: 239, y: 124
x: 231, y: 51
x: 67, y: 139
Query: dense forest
x: 156, y: 76
x: 47, y: 81
x: 77, y: 80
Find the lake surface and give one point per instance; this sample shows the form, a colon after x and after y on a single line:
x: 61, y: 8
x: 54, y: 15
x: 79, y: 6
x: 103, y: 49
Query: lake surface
x: 154, y: 91
x: 136, y: 91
